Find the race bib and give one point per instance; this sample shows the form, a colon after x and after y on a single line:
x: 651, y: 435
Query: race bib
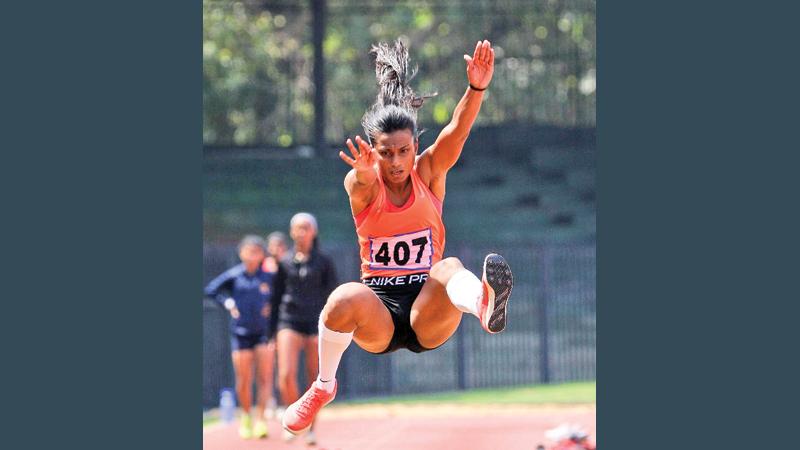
x: 409, y: 251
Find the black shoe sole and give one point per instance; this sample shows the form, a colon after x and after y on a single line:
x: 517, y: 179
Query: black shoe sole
x: 497, y: 275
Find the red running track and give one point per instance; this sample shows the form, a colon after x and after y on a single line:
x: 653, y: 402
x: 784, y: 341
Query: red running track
x: 418, y: 428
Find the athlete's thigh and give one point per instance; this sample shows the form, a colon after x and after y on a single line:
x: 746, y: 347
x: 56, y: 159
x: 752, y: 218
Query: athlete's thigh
x: 373, y: 323
x: 289, y: 344
x: 265, y: 360
x: 310, y: 347
x: 433, y: 317
x: 243, y: 363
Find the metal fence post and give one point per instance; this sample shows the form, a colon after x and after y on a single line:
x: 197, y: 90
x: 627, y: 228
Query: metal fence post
x: 390, y: 374
x: 465, y: 252
x: 544, y: 295
x: 318, y: 8
x: 461, y: 359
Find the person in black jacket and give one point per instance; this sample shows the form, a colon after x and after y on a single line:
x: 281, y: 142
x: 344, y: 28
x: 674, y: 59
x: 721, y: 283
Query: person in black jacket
x: 246, y: 291
x: 305, y: 279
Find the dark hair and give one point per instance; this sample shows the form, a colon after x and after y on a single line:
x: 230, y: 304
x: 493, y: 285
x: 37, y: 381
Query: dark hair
x: 279, y: 236
x: 252, y: 239
x: 396, y: 106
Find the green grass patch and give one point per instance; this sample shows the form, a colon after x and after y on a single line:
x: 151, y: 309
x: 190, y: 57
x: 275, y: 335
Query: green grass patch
x: 210, y: 421
x: 542, y: 394
x: 565, y: 393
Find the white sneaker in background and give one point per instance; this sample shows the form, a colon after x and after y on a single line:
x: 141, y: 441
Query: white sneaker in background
x: 310, y: 438
x: 271, y: 410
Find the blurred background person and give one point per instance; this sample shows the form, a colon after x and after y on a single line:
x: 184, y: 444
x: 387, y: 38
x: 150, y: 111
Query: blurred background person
x: 246, y: 291
x: 305, y: 278
x: 277, y: 245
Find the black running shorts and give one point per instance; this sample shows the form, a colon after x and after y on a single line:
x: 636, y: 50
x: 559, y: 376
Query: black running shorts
x: 305, y: 328
x: 398, y: 294
x: 247, y: 342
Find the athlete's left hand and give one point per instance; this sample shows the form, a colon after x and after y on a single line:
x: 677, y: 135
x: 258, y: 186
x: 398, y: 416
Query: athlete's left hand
x: 480, y: 67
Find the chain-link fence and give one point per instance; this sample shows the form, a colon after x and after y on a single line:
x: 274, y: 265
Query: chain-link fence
x: 550, y: 335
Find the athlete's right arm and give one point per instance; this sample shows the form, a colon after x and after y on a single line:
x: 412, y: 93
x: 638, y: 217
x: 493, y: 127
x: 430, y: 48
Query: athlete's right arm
x: 361, y: 182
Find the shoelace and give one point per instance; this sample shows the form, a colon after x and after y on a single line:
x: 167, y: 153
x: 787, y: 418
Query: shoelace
x: 308, y: 401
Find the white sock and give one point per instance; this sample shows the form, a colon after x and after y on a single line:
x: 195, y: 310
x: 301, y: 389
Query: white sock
x: 332, y: 345
x: 465, y: 291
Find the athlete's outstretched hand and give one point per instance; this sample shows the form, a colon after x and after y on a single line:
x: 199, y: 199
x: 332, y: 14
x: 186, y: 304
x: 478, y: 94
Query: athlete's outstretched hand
x: 365, y: 156
x: 480, y: 67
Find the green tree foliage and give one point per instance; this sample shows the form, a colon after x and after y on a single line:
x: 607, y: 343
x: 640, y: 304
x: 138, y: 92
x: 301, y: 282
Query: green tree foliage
x: 257, y: 61
x: 256, y: 69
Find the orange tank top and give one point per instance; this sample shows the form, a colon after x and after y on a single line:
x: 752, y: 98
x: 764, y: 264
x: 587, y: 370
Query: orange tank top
x: 401, y: 240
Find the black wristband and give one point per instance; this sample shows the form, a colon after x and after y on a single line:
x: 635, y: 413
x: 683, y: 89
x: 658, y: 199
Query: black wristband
x: 476, y: 89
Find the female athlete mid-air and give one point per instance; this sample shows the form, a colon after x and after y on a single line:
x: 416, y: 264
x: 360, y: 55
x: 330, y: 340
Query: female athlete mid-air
x: 409, y: 297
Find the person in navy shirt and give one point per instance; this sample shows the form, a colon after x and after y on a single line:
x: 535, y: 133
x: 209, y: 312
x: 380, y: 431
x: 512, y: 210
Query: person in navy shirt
x: 246, y: 291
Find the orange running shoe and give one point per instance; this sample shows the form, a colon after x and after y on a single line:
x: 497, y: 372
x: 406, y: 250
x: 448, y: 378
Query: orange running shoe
x: 497, y: 283
x: 300, y: 415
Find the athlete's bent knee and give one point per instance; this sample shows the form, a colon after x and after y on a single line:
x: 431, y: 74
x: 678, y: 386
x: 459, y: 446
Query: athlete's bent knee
x: 341, y: 305
x: 446, y: 268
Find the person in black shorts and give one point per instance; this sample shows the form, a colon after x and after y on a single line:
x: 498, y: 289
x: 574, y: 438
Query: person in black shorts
x: 305, y: 278
x: 397, y: 295
x: 246, y: 291
x: 411, y: 296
